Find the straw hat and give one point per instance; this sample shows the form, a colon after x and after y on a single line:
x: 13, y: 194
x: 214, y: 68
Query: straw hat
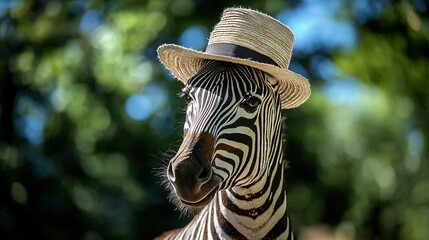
x: 247, y: 37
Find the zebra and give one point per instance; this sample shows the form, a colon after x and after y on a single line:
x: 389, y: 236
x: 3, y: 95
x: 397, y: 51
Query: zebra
x: 229, y: 169
x: 230, y: 165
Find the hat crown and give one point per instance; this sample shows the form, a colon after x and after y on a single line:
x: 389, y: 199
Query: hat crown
x: 256, y: 31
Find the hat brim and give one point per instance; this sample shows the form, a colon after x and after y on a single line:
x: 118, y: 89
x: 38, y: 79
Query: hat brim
x: 184, y: 63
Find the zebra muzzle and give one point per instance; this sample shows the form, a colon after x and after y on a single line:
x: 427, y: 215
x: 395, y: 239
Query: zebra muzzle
x: 190, y: 171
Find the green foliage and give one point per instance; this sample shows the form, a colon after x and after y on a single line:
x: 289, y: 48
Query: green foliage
x: 75, y: 163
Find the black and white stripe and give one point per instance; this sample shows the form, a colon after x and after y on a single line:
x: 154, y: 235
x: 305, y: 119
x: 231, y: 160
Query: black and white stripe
x: 239, y: 107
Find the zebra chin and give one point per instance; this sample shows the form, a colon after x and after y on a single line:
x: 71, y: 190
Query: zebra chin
x: 205, y: 200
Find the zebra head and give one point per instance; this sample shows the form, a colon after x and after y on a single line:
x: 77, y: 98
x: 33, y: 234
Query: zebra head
x: 232, y: 130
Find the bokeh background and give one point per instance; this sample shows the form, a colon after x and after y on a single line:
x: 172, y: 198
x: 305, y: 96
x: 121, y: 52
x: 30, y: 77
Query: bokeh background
x: 87, y: 113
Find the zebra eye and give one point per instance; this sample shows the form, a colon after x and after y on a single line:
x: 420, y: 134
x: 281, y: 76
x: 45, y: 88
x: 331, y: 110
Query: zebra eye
x: 251, y: 104
x: 186, y: 96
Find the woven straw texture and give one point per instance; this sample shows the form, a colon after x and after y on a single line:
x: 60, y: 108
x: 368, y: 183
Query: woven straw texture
x: 253, y: 30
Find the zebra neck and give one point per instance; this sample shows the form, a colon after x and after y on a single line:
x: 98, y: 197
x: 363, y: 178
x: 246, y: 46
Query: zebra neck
x: 260, y: 210
x: 256, y: 212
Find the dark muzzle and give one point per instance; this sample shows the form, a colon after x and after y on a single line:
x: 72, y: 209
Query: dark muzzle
x: 190, y: 171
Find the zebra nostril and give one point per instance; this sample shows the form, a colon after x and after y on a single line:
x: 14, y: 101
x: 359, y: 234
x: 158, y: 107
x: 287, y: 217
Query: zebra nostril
x: 205, y: 174
x: 170, y: 173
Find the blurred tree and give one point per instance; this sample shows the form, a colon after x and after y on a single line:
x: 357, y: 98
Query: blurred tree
x: 68, y: 69
x: 390, y: 196
x: 87, y: 112
x: 370, y: 137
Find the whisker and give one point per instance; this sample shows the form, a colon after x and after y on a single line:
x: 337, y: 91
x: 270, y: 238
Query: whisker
x: 161, y: 173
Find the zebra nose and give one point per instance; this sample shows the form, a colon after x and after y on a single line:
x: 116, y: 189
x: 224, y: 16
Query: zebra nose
x: 190, y: 173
